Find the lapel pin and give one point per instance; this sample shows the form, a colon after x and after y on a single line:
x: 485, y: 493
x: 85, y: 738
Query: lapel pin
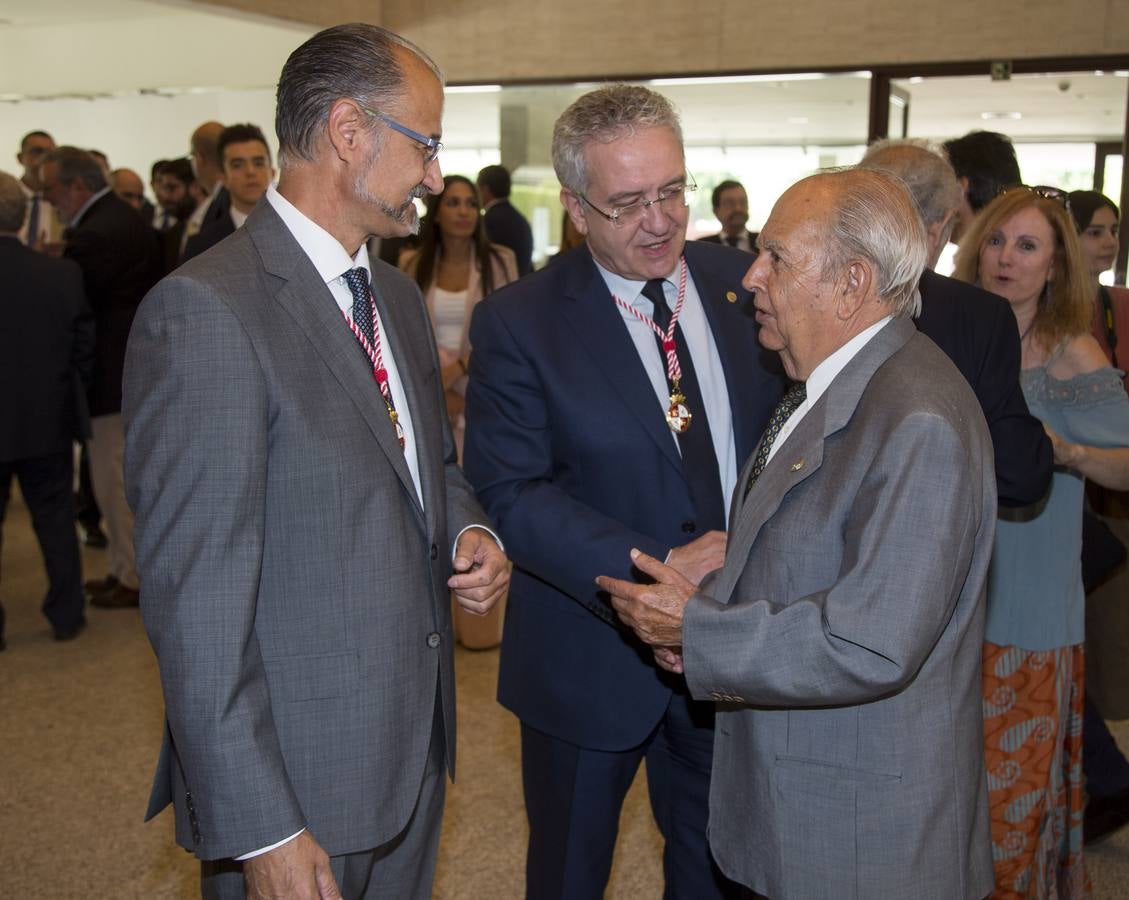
x: 797, y: 465
x: 731, y: 296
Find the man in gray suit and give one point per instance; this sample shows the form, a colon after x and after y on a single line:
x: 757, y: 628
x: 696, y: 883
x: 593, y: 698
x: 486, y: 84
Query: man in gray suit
x: 842, y: 637
x: 299, y: 508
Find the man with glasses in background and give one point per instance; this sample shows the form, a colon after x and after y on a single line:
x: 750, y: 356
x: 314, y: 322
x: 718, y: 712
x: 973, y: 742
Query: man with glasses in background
x: 301, y: 519
x: 612, y: 398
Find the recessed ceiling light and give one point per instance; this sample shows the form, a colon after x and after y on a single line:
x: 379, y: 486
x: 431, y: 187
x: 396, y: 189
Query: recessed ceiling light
x: 1001, y: 115
x: 473, y: 89
x: 917, y: 79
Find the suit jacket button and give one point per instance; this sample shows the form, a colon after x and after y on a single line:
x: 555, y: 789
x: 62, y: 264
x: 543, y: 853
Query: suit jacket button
x: 433, y: 640
x: 689, y: 526
x: 434, y: 552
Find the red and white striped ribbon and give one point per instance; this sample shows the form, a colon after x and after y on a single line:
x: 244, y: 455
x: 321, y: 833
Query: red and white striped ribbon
x: 673, y: 369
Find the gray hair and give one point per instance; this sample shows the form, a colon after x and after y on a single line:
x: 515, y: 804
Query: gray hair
x: 605, y: 115
x: 77, y: 165
x: 13, y: 204
x: 357, y: 61
x: 924, y: 170
x: 875, y: 219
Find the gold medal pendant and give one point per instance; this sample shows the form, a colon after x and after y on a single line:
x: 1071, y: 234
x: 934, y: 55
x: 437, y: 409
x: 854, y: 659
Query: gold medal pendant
x: 678, y: 416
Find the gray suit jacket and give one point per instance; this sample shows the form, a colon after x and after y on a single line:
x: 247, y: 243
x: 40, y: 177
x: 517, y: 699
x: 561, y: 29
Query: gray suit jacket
x: 843, y: 641
x: 292, y: 585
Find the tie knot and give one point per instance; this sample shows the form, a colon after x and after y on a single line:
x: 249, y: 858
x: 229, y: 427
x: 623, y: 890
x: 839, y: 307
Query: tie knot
x: 796, y: 394
x: 357, y: 279
x: 653, y: 291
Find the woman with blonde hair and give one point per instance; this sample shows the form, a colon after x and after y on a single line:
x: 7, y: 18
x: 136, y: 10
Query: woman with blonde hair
x: 456, y: 266
x: 1023, y: 246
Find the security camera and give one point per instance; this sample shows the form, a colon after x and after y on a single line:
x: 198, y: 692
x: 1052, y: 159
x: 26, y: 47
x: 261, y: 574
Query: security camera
x: 1064, y: 85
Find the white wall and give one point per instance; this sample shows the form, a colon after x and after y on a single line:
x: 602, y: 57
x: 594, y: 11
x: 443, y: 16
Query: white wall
x: 133, y: 131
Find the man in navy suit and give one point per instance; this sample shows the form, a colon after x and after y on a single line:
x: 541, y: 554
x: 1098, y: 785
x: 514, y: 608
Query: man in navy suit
x: 247, y: 173
x: 578, y: 445
x: 504, y: 224
x: 975, y: 328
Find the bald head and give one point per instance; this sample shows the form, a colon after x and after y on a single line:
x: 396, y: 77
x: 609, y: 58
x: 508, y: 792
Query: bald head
x: 13, y: 204
x: 930, y: 180
x: 206, y: 160
x: 127, y: 184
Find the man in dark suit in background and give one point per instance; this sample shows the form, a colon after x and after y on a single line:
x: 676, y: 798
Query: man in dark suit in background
x: 579, y: 452
x: 731, y: 206
x: 247, y: 173
x: 504, y: 224
x: 985, y: 166
x: 119, y: 257
x: 208, y: 168
x: 975, y: 328
x: 46, y: 355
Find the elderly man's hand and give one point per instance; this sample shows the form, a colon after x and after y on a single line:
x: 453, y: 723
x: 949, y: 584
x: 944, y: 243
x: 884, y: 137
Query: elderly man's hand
x: 652, y: 611
x: 482, y: 572
x: 670, y: 659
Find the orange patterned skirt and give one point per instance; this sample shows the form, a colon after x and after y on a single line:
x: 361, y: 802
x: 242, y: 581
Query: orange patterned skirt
x: 1033, y: 751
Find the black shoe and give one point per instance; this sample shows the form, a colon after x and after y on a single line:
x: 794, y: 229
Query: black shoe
x: 1104, y: 816
x: 120, y: 597
x: 69, y: 634
x: 96, y: 586
x: 92, y: 537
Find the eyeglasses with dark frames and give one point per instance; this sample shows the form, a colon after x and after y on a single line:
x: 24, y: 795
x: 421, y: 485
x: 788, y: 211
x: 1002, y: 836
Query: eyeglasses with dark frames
x: 433, y: 146
x: 667, y: 198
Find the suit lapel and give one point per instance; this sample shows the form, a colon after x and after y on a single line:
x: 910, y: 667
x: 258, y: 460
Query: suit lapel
x: 600, y: 330
x: 801, y: 455
x: 307, y: 300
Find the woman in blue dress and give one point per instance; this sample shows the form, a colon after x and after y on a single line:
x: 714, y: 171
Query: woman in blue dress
x: 1024, y: 247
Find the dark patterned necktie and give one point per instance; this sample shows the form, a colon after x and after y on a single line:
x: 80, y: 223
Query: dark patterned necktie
x: 699, y: 461
x: 732, y: 240
x: 793, y: 397
x: 357, y: 279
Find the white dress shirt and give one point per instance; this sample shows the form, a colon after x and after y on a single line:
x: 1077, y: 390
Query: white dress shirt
x: 332, y: 262
x: 703, y: 352
x: 820, y: 380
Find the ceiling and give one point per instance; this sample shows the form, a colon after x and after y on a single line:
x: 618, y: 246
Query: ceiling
x: 63, y: 49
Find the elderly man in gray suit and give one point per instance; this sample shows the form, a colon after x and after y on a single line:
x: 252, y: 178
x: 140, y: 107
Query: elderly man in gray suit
x: 299, y: 507
x: 842, y: 637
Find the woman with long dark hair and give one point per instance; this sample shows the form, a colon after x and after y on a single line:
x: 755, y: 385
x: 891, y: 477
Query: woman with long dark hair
x: 456, y: 266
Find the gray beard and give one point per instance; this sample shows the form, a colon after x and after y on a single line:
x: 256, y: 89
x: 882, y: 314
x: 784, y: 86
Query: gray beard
x: 404, y: 214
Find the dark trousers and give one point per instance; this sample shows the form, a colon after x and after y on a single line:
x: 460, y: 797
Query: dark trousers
x: 1105, y: 766
x: 86, y: 507
x: 45, y: 482
x: 573, y: 797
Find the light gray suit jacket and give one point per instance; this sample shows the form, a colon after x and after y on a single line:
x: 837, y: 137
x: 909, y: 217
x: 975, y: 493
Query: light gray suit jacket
x: 843, y: 637
x: 292, y: 585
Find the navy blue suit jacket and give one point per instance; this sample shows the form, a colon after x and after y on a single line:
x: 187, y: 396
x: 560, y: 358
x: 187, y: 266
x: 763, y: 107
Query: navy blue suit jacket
x: 568, y: 449
x: 977, y: 331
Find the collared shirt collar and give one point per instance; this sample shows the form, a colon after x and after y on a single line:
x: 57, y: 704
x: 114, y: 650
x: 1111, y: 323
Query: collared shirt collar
x: 625, y: 288
x: 324, y: 250
x: 86, y: 206
x: 823, y: 374
x: 237, y: 217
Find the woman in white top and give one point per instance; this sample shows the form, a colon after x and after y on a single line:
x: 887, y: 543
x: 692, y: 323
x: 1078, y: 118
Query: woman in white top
x: 455, y: 267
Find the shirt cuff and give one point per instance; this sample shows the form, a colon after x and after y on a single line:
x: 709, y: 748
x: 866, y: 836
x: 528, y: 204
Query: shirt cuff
x: 489, y: 531
x: 255, y: 853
